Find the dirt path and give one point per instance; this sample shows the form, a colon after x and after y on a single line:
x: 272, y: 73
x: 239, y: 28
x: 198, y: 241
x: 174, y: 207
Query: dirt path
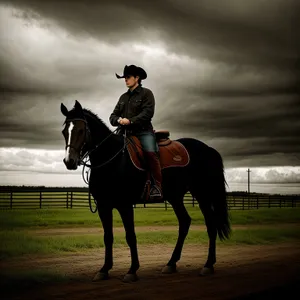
x: 240, y: 270
x: 98, y: 230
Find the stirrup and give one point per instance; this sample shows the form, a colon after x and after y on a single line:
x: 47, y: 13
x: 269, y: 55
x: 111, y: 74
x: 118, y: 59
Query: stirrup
x: 155, y: 193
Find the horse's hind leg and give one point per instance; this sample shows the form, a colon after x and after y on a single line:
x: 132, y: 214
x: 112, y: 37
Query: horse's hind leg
x: 212, y: 235
x: 184, y: 221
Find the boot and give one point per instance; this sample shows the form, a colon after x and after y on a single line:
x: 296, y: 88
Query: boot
x: 153, y: 164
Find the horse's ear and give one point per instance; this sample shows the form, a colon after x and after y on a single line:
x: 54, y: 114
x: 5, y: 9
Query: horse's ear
x: 64, y: 110
x: 78, y: 105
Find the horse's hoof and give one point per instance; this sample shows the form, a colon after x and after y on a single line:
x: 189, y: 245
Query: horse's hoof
x: 130, y: 278
x: 100, y: 276
x: 169, y: 269
x: 206, y: 271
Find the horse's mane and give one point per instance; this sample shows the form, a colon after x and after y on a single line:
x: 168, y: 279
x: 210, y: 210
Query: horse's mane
x: 94, y: 116
x: 73, y: 113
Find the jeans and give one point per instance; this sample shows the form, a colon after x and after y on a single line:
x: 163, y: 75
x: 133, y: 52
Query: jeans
x: 148, y: 141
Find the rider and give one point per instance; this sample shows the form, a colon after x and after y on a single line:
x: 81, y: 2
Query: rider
x: 135, y: 110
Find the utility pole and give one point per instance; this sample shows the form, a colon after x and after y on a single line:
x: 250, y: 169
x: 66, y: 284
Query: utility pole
x: 248, y: 171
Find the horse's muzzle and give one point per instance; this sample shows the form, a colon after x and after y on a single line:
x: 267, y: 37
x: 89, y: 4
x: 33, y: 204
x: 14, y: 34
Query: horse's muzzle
x: 70, y: 164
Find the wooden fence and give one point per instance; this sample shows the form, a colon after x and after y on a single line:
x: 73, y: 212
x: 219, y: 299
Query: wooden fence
x: 38, y: 198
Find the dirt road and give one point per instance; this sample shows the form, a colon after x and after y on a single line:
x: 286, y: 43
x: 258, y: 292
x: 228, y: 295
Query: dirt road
x: 241, y: 272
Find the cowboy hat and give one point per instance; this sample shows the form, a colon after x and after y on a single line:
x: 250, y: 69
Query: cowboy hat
x: 133, y: 70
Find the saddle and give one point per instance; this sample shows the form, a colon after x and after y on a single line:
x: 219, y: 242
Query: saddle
x: 171, y: 153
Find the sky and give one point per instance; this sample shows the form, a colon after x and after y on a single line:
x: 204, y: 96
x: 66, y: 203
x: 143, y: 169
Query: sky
x: 224, y: 72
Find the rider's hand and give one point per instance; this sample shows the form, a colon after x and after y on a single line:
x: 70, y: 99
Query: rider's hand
x: 124, y: 121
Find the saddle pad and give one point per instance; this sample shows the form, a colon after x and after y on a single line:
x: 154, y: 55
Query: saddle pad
x: 173, y: 154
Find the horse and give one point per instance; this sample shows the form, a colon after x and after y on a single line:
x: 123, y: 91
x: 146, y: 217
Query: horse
x: 116, y: 183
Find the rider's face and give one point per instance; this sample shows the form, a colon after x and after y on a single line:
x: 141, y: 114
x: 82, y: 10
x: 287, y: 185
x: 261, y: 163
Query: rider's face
x: 131, y: 81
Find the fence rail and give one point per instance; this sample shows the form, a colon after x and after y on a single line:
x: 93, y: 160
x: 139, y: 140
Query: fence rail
x: 38, y: 198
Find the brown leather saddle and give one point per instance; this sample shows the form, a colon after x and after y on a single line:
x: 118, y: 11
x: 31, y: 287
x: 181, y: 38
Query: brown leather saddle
x: 171, y: 153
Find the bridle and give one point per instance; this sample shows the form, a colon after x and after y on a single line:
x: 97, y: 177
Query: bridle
x: 87, y: 135
x: 88, y: 139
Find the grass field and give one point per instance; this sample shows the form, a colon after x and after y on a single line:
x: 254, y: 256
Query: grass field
x: 18, y: 237
x: 21, y: 243
x: 18, y: 219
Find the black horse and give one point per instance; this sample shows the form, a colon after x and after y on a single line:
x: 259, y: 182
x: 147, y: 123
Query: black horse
x: 115, y: 182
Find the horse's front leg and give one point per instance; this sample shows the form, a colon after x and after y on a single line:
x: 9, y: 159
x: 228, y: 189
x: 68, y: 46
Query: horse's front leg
x: 127, y: 215
x: 106, y: 217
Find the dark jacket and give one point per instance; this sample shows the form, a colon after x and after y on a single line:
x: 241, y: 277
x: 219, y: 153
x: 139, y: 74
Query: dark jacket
x: 137, y: 106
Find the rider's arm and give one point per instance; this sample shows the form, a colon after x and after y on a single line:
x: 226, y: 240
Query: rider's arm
x: 148, y: 105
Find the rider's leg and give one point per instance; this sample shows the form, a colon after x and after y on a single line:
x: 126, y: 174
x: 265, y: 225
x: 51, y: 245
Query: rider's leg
x: 151, y: 153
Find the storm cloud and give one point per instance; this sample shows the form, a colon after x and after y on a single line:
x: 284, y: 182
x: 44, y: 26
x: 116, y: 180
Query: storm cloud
x: 225, y: 72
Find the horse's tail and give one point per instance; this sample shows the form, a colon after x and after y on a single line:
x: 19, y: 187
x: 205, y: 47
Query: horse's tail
x: 219, y: 199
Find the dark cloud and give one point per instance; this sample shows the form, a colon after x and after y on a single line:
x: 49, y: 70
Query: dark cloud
x: 236, y: 120
x: 228, y: 73
x: 253, y: 32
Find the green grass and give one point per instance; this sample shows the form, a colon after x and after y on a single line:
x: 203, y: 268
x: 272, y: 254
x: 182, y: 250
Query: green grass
x: 12, y: 219
x: 16, y: 238
x: 17, y: 243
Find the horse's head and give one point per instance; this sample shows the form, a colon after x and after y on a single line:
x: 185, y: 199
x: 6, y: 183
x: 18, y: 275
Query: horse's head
x: 76, y: 134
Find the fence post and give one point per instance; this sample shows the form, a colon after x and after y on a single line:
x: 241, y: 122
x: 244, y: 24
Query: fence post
x: 41, y: 199
x: 11, y: 199
x: 243, y: 203
x: 257, y: 206
x: 193, y: 201
x: 280, y: 201
x: 71, y: 199
x: 166, y: 205
x: 67, y: 204
x: 269, y: 201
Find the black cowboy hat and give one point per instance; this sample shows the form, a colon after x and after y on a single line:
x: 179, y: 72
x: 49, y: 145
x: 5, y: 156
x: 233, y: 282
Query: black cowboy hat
x: 133, y: 70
